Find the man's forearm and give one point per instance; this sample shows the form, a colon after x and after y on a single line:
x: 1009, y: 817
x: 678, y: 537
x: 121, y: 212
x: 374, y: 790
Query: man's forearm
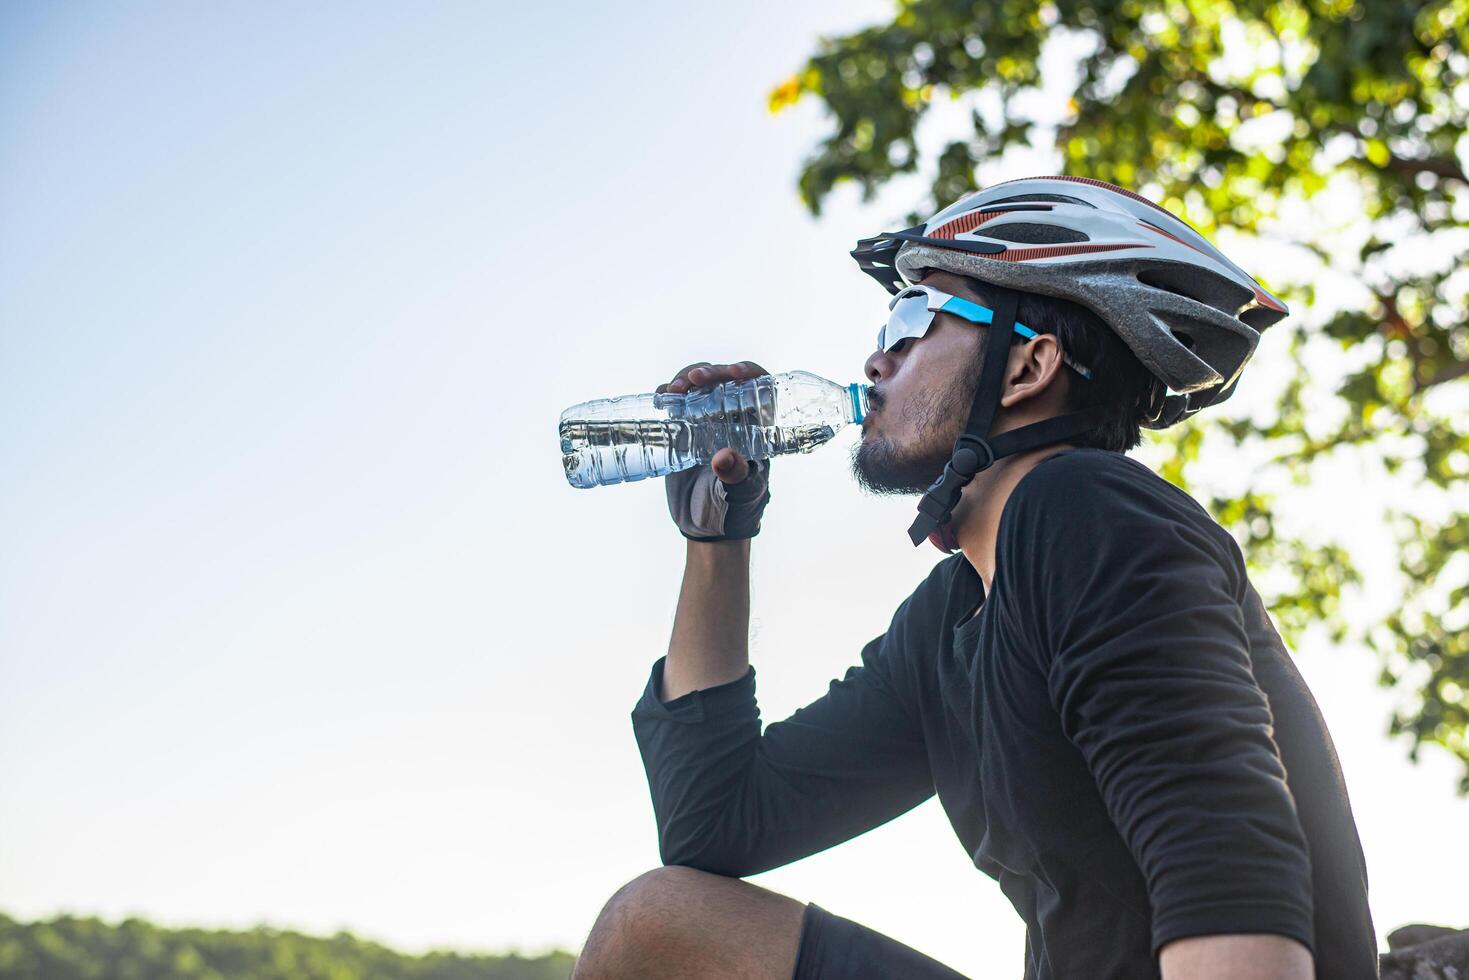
x: 1252, y: 956
x: 711, y: 629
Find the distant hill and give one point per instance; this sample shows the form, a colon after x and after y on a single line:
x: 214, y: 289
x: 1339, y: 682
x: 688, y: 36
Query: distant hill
x: 68, y: 948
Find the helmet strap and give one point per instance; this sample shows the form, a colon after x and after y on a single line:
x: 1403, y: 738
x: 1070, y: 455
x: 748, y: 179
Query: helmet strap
x: 974, y: 450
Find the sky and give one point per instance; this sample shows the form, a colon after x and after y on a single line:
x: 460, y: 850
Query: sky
x: 300, y: 622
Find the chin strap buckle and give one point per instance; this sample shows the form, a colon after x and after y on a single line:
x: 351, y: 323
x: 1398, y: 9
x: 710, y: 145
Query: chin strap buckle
x: 972, y: 456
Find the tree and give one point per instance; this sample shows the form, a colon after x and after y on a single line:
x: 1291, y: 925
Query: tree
x: 72, y: 948
x: 1237, y: 116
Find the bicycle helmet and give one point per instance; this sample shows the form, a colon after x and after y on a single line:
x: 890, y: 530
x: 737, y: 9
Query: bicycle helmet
x: 1191, y: 316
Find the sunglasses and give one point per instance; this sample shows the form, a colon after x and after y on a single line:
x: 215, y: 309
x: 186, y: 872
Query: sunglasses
x: 912, y: 311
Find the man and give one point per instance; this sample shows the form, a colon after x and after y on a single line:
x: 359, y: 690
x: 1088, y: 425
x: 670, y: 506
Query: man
x: 1090, y: 684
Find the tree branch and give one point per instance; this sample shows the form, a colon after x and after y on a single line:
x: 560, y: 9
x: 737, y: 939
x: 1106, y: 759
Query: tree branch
x: 1446, y: 167
x: 1393, y: 326
x: 1446, y: 374
x: 1439, y: 166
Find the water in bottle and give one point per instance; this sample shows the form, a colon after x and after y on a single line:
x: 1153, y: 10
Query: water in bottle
x: 633, y: 437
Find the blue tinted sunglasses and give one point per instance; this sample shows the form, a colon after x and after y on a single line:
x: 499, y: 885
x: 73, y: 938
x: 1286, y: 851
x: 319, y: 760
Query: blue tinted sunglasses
x: 912, y: 313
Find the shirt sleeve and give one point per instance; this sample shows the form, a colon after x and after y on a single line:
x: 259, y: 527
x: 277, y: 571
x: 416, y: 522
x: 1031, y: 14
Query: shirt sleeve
x: 1143, y: 642
x: 732, y: 800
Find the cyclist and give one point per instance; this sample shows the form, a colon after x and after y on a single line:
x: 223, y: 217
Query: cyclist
x: 1089, y: 682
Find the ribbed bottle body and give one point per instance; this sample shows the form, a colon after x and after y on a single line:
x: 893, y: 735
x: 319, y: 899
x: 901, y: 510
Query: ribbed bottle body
x: 634, y: 437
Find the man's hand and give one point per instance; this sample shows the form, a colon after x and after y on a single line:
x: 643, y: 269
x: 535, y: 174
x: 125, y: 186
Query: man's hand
x: 1246, y: 956
x: 724, y: 501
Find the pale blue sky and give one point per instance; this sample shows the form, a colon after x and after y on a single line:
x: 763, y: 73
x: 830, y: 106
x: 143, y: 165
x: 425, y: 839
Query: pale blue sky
x: 299, y: 620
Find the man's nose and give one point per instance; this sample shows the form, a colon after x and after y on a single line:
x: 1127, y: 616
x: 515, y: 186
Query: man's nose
x: 879, y: 366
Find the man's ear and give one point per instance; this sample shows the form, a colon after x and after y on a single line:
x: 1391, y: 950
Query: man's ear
x: 1035, y: 368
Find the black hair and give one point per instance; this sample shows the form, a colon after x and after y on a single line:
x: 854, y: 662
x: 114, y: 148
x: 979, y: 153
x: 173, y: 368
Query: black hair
x: 1120, y: 387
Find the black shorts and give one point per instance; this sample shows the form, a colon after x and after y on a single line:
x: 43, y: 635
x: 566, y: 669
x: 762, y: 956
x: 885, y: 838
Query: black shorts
x: 834, y: 948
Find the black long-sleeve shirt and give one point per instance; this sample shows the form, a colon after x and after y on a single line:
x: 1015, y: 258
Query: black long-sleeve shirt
x: 1116, y: 732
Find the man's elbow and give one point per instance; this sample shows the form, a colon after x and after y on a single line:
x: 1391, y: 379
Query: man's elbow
x: 1244, y: 956
x: 705, y: 851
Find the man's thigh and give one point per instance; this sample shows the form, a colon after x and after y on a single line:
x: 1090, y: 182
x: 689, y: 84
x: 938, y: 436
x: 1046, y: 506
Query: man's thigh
x: 834, y: 948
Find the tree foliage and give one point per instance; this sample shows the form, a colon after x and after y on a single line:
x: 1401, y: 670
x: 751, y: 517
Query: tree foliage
x: 1237, y: 116
x: 68, y: 948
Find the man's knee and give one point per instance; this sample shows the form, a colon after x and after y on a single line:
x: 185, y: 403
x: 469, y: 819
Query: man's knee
x: 667, y: 887
x: 652, y: 912
x: 675, y: 915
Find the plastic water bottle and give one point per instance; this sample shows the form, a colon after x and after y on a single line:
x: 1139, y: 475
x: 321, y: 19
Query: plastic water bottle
x: 633, y: 437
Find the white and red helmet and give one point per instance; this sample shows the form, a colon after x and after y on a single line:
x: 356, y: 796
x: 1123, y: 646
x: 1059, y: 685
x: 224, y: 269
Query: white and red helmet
x: 1192, y: 317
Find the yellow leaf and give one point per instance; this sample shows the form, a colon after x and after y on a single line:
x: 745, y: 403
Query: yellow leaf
x: 787, y: 93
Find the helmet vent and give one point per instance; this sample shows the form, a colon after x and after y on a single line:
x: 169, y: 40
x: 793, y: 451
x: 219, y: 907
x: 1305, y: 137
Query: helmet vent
x: 1028, y: 233
x: 1201, y: 287
x: 1259, y: 317
x: 1028, y: 198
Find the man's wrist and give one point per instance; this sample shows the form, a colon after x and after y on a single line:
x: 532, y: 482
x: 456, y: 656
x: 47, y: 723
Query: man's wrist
x: 717, y: 549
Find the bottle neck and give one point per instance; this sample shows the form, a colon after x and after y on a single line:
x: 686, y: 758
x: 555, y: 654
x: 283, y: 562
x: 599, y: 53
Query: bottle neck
x: 860, y: 405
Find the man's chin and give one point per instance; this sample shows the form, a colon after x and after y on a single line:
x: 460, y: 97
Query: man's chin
x: 879, y: 468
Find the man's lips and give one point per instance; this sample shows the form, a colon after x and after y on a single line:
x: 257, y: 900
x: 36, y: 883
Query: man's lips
x: 874, y: 405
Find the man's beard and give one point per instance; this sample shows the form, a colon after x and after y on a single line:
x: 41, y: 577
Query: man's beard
x: 883, y: 468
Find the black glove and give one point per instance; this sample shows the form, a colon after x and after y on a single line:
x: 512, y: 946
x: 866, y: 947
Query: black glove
x: 706, y: 508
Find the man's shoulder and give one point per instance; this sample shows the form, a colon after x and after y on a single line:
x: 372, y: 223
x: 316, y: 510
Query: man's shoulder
x: 1070, y: 465
x: 1100, y: 480
x: 1100, y: 502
